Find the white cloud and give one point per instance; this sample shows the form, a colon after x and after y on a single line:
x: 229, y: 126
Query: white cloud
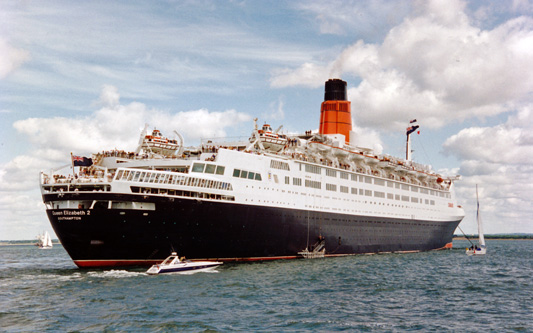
x: 505, y: 196
x: 492, y: 145
x: 435, y: 66
x: 438, y: 65
x: 109, y: 96
x: 522, y: 6
x: 308, y: 74
x: 118, y: 126
x: 367, y: 138
x: 23, y: 215
x: 276, y: 111
x: 441, y: 68
x: 11, y: 58
x: 508, y: 143
x: 353, y: 17
x: 500, y: 160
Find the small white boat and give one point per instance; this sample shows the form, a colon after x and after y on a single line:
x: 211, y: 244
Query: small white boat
x: 44, y: 241
x: 312, y: 254
x: 318, y: 250
x: 480, y: 248
x: 173, y: 264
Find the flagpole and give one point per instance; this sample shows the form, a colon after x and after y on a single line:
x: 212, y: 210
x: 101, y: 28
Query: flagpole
x: 412, y: 127
x: 72, y: 162
x: 408, y: 148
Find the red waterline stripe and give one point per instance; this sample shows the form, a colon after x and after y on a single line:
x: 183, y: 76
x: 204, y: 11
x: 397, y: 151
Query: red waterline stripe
x: 121, y: 262
x: 114, y: 263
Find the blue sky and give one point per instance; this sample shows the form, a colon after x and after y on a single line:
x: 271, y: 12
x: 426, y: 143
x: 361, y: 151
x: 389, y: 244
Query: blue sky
x: 87, y: 76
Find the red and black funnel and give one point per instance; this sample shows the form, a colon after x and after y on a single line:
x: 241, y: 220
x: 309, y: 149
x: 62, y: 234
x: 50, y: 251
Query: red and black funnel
x: 335, y: 113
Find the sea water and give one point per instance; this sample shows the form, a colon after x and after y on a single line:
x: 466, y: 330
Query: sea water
x: 42, y: 290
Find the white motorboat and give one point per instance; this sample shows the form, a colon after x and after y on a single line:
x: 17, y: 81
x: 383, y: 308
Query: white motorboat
x: 480, y: 248
x: 173, y: 264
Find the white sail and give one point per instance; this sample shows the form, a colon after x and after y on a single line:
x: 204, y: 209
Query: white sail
x: 47, y: 240
x: 479, y: 224
x: 480, y: 248
x: 44, y: 241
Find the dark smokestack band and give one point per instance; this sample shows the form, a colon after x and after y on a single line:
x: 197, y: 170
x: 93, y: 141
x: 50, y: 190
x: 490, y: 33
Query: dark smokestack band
x: 335, y: 90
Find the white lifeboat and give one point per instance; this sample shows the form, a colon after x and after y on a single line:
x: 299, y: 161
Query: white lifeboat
x: 339, y: 152
x: 371, y: 160
x: 320, y: 147
x: 156, y: 143
x: 422, y: 175
x: 357, y: 157
x: 386, y: 164
x: 271, y: 140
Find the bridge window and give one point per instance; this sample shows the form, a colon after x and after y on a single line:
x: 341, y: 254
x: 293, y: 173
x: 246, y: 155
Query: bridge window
x: 198, y: 167
x: 210, y: 168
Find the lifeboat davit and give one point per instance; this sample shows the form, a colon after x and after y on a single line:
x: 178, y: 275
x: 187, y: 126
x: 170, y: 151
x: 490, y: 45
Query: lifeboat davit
x: 158, y: 144
x: 271, y: 140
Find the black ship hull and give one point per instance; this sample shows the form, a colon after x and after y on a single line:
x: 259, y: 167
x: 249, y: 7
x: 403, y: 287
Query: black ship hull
x: 225, y: 231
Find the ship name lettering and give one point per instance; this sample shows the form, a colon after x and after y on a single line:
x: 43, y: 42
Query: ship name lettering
x: 69, y: 218
x: 74, y: 212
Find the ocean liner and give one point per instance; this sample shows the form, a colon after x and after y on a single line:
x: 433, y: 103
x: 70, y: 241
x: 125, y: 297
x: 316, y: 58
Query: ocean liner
x: 273, y: 196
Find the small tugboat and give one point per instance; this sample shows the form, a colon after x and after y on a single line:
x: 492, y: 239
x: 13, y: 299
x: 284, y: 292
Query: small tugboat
x: 173, y: 264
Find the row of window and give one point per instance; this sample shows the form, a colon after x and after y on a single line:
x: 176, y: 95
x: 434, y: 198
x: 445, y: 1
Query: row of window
x: 391, y: 196
x: 208, y: 168
x: 246, y: 174
x: 279, y: 165
x: 371, y: 180
x: 312, y: 169
x: 355, y: 191
x: 171, y: 179
x: 77, y: 187
x: 313, y: 184
x: 331, y: 187
x: 180, y: 193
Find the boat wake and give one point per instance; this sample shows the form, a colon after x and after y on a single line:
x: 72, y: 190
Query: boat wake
x: 53, y: 277
x: 115, y: 274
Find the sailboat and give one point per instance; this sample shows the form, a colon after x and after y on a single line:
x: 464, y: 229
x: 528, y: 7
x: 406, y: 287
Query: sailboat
x: 480, y: 248
x: 44, y: 241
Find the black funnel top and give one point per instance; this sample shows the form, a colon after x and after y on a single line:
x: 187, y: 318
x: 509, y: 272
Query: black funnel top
x: 335, y: 90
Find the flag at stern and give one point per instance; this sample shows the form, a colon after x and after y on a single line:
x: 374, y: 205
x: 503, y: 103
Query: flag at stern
x: 81, y: 161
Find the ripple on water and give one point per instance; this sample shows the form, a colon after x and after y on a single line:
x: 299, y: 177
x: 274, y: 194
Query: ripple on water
x: 434, y: 291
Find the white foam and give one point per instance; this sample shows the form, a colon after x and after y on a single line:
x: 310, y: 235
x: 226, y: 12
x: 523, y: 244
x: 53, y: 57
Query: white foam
x: 116, y: 274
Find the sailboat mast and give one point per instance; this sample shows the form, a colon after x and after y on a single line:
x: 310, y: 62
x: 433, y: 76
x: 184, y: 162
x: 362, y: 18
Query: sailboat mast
x: 479, y: 224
